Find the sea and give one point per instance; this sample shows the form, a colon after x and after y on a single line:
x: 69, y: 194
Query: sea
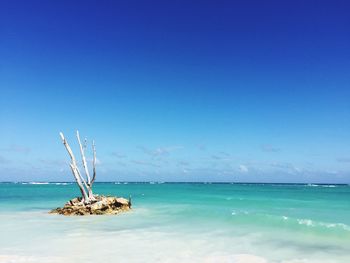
x: 179, y: 222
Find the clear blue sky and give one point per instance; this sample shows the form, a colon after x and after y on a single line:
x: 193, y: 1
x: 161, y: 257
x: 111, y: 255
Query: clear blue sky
x: 255, y: 91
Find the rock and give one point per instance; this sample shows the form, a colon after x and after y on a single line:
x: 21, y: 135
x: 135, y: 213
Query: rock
x: 122, y: 201
x: 103, y: 205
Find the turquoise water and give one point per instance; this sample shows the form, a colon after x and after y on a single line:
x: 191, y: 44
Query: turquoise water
x: 179, y: 223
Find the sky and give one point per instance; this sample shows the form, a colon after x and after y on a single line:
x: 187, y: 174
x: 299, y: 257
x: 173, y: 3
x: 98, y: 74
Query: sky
x: 223, y: 91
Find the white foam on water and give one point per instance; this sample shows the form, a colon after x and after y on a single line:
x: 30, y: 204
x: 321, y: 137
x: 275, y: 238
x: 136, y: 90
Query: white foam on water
x: 311, y: 223
x: 239, y: 212
x: 323, y: 185
x: 307, y: 222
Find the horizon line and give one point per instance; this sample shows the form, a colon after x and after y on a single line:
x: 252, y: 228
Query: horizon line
x: 173, y: 182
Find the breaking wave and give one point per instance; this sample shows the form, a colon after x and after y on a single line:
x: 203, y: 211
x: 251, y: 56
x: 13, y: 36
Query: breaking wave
x: 273, y: 220
x: 44, y: 183
x: 323, y: 185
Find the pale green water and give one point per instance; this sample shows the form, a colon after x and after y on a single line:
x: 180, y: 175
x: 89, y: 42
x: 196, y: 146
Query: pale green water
x: 180, y: 223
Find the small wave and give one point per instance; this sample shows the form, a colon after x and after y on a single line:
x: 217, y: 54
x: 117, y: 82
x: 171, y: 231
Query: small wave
x: 322, y: 185
x: 311, y: 223
x: 45, y: 183
x: 275, y: 219
x: 239, y: 213
x: 307, y: 222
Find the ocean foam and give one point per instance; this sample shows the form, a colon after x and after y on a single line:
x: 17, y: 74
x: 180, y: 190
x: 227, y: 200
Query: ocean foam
x: 309, y: 222
x: 322, y: 185
x: 313, y: 185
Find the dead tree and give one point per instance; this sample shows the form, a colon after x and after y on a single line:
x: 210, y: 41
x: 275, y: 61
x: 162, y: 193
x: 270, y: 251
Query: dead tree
x: 84, y: 183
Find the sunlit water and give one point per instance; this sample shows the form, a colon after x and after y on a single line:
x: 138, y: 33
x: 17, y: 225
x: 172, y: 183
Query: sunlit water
x: 252, y: 223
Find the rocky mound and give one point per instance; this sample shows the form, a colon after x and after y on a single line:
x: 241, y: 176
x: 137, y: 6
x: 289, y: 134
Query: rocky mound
x: 103, y: 205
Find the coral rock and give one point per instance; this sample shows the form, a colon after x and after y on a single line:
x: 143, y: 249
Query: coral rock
x: 103, y: 205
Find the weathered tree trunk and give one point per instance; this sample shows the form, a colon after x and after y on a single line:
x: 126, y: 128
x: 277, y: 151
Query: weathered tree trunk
x: 85, y: 185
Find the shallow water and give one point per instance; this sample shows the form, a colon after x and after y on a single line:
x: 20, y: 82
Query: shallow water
x: 179, y: 223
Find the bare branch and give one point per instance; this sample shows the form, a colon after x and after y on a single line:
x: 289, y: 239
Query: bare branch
x: 84, y: 160
x: 85, y: 143
x: 85, y: 185
x: 82, y: 178
x: 69, y: 150
x: 74, y: 167
x: 81, y: 187
x: 93, y: 162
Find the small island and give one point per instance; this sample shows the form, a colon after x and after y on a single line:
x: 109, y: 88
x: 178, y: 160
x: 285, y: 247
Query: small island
x: 89, y: 203
x: 102, y: 205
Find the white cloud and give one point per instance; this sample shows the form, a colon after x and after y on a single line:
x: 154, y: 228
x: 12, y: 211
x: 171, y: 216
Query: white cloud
x: 344, y: 159
x: 53, y: 162
x: 118, y: 155
x: 183, y: 163
x: 202, y: 147
x: 223, y: 156
x: 287, y: 167
x: 90, y: 160
x: 160, y: 151
x: 142, y: 162
x: 243, y: 169
x: 269, y: 148
x: 17, y: 149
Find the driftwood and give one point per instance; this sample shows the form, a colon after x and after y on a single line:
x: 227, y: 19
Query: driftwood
x: 88, y: 203
x: 84, y: 183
